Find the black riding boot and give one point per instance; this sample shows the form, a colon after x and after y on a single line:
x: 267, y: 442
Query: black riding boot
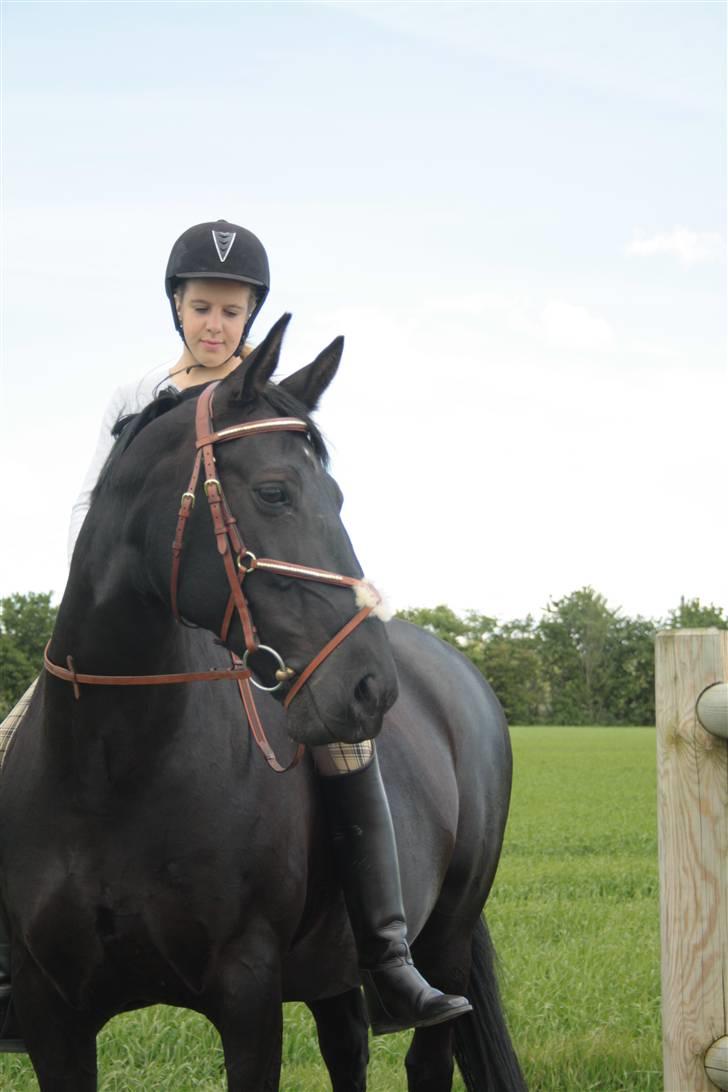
x: 365, y: 852
x: 10, y: 1042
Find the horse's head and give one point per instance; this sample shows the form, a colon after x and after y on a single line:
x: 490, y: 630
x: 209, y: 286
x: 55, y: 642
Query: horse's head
x: 286, y: 507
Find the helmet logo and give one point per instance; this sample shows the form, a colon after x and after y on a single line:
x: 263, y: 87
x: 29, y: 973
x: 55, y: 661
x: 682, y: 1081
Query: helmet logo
x: 223, y: 241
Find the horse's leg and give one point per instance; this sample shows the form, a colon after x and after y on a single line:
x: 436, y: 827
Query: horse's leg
x: 251, y: 1037
x: 248, y: 1013
x: 341, y: 1025
x: 457, y: 958
x: 251, y: 1034
x: 273, y: 1080
x: 429, y: 1060
x: 443, y: 955
x: 61, y: 1042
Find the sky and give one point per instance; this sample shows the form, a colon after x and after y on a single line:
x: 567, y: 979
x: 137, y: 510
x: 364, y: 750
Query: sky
x: 514, y: 212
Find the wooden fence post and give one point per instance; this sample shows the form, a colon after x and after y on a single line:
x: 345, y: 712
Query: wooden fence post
x: 692, y: 804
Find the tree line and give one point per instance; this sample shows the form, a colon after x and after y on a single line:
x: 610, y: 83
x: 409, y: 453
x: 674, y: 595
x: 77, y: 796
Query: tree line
x: 581, y: 663
x: 26, y: 623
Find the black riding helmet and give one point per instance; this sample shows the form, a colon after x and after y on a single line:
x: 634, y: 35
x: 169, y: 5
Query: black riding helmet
x: 221, y: 251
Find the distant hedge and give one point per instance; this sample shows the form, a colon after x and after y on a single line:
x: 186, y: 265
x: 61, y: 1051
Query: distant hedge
x: 582, y: 663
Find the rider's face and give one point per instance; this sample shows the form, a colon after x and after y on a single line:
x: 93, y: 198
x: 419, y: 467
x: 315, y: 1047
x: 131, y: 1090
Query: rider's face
x: 213, y: 315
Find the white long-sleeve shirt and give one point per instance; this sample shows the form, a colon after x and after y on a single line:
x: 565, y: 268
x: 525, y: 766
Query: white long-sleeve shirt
x: 129, y: 398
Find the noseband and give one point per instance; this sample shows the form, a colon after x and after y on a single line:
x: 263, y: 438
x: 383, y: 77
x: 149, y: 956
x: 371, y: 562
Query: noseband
x: 239, y: 563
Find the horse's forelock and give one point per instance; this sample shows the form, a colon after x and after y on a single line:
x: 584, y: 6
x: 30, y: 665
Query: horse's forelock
x: 284, y: 403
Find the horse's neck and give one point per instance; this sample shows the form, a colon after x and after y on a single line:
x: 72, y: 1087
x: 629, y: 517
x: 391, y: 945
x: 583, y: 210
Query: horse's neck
x: 109, y: 627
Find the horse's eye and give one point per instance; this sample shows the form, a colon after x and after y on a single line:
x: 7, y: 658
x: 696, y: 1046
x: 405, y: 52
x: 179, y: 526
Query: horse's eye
x: 274, y: 495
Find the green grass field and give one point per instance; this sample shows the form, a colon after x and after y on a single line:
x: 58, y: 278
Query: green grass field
x: 574, y: 916
x: 575, y: 912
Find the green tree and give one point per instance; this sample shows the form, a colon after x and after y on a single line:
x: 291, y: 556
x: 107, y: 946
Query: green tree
x: 691, y: 614
x: 511, y: 661
x: 463, y: 633
x: 26, y: 623
x: 574, y: 647
x: 630, y: 651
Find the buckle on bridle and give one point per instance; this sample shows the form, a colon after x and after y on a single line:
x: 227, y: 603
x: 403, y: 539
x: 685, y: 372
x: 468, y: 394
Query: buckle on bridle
x: 209, y: 482
x: 252, y: 564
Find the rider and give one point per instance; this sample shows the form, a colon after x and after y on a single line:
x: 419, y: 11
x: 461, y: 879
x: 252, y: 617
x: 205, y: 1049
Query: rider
x: 216, y: 281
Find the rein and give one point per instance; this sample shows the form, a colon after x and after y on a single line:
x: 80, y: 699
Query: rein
x: 239, y: 563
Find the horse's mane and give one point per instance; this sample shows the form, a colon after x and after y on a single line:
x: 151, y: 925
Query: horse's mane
x: 128, y: 427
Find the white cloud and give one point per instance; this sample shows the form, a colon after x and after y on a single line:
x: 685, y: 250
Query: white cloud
x: 691, y: 247
x: 510, y: 310
x: 521, y: 318
x: 575, y: 327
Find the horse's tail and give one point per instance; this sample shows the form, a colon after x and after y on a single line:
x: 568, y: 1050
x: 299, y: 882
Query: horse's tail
x: 483, y: 1047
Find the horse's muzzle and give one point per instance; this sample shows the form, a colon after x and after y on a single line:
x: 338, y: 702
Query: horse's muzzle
x: 333, y: 709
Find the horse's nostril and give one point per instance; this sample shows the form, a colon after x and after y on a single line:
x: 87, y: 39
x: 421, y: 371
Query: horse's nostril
x: 366, y: 695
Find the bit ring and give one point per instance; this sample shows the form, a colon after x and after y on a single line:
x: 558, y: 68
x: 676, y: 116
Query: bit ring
x: 279, y: 660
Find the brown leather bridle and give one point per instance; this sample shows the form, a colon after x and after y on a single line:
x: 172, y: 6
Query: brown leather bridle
x: 239, y: 562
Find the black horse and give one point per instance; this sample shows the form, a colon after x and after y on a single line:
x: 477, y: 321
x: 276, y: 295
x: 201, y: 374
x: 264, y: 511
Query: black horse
x: 147, y: 852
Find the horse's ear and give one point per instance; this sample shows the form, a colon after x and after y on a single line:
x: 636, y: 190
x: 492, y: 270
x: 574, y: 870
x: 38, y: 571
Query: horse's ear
x: 250, y: 377
x: 309, y: 383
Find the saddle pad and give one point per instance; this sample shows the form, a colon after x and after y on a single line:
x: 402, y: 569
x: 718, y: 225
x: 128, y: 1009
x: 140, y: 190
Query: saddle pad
x: 9, y: 726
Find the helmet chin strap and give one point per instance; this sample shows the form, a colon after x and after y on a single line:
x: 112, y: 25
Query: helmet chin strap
x: 197, y: 364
